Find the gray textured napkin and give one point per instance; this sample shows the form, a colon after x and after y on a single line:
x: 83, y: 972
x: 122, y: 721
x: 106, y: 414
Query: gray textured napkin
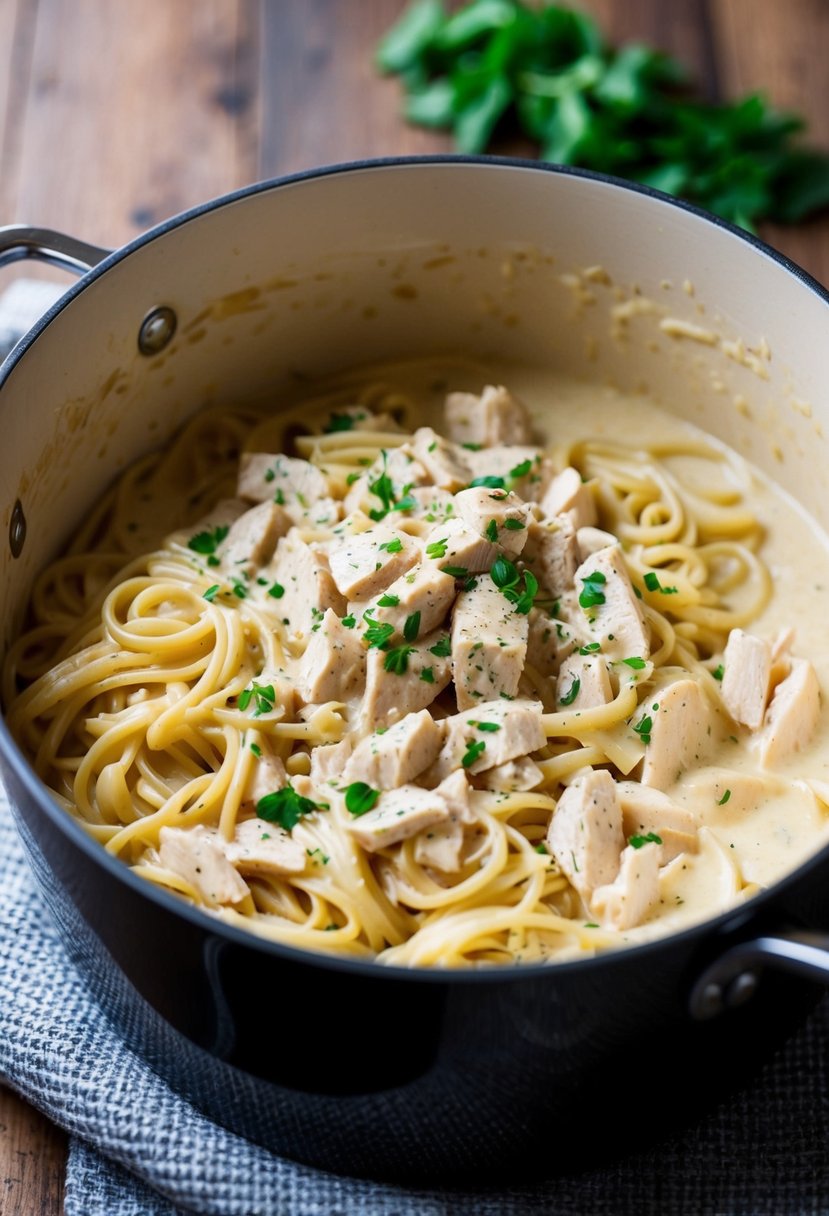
x: 137, y: 1149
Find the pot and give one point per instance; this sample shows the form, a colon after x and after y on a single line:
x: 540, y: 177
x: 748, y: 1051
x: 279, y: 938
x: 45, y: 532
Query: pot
x: 358, y: 1068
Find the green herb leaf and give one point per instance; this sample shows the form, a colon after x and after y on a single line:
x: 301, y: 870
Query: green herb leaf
x: 378, y: 634
x: 427, y: 675
x: 635, y: 662
x: 392, y: 546
x: 718, y: 672
x: 276, y: 590
x: 722, y: 801
x: 285, y: 807
x: 340, y: 422
x: 441, y: 649
x: 489, y: 482
x: 643, y: 729
x: 455, y: 571
x: 397, y: 660
x: 388, y: 601
x: 411, y: 627
x: 503, y: 573
x: 592, y: 594
x: 636, y: 842
x: 486, y: 727
x: 349, y: 621
x: 473, y: 751
x: 211, y: 593
x: 521, y: 470
x: 492, y: 531
x: 572, y: 692
x: 437, y: 548
x: 514, y: 525
x: 263, y: 697
x: 653, y: 584
x: 590, y: 648
x: 360, y: 798
x: 207, y: 542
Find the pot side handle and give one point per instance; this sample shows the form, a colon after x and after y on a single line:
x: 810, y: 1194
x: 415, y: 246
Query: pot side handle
x: 733, y: 977
x: 19, y: 241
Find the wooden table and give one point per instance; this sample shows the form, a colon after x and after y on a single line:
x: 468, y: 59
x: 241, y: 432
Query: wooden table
x: 114, y: 116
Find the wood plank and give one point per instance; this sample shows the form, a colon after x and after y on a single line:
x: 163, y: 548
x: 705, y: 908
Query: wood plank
x: 783, y: 52
x: 32, y: 1160
x: 17, y: 33
x: 680, y: 28
x: 134, y: 113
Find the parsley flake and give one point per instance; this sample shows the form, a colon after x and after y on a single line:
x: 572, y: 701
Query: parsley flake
x: 412, y: 627
x: 207, y: 542
x: 573, y: 691
x: 397, y: 660
x: 722, y: 801
x: 636, y: 842
x: 442, y: 648
x: 473, y: 751
x: 360, y: 798
x: 285, y: 807
x: 592, y: 594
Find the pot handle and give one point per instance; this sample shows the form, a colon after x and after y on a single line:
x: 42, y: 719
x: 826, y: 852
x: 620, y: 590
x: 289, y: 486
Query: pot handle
x: 19, y: 241
x: 734, y: 976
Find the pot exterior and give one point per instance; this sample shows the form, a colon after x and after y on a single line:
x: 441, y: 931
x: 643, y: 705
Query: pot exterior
x: 357, y: 1069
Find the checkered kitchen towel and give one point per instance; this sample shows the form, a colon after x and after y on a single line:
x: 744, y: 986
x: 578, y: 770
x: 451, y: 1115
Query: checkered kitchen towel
x: 137, y: 1149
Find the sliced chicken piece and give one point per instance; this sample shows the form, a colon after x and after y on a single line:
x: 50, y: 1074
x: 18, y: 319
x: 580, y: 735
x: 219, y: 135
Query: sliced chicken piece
x: 491, y: 734
x: 494, y: 417
x: 781, y: 659
x: 441, y: 459
x: 591, y: 540
x: 399, y: 683
x: 585, y: 833
x: 455, y: 791
x: 646, y: 810
x: 359, y: 418
x: 746, y: 682
x: 395, y: 756
x: 329, y: 760
x: 520, y: 467
x: 583, y: 682
x: 489, y: 645
x: 296, y: 485
x: 425, y: 593
x: 365, y: 564
x: 252, y: 538
x: 259, y: 847
x: 399, y: 814
x: 610, y: 606
x: 683, y: 731
x: 439, y: 847
x: 302, y: 572
x: 792, y: 716
x: 512, y: 777
x: 267, y: 775
x: 197, y: 857
x: 626, y: 901
x: 552, y: 638
x: 455, y: 547
x: 333, y: 667
x: 567, y: 492
x: 396, y: 469
x: 499, y: 516
x: 551, y: 554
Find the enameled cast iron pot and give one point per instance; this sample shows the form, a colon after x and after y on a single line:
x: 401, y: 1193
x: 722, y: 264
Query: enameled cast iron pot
x: 356, y: 1067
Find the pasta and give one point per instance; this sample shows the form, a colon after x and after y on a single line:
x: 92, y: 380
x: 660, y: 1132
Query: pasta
x: 570, y: 655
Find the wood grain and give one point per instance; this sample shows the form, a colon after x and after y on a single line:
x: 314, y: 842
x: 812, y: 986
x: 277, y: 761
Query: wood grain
x: 114, y: 116
x: 32, y: 1156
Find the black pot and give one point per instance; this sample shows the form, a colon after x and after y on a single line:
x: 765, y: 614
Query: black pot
x: 352, y: 1066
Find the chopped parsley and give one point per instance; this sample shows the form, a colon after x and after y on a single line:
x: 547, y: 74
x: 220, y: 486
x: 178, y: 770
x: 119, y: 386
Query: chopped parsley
x: 592, y: 593
x: 276, y: 590
x: 383, y: 489
x: 718, y: 672
x: 643, y: 729
x: 486, y: 727
x: 349, y: 621
x: 437, y: 548
x: 540, y: 848
x: 412, y: 627
x: 473, y: 751
x: 653, y: 584
x: 262, y: 696
x: 590, y: 648
x: 342, y: 422
x: 722, y: 801
x: 492, y: 531
x: 514, y: 525
x: 285, y: 807
x: 520, y: 470
x: 392, y: 546
x: 636, y: 842
x: 442, y: 648
x: 490, y: 483
x: 388, y: 601
x: 635, y: 662
x: 257, y: 750
x: 573, y: 691
x: 397, y: 660
x: 507, y: 579
x: 360, y: 798
x: 207, y: 542
x: 455, y: 571
x: 427, y: 675
x: 378, y: 634
x: 211, y: 593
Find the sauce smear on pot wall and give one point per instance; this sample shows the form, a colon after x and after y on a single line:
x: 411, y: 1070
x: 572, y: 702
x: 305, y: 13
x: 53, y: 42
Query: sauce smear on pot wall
x: 444, y: 665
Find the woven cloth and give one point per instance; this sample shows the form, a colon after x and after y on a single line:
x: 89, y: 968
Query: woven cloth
x: 137, y: 1149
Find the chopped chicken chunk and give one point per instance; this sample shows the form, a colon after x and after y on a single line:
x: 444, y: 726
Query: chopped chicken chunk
x: 252, y: 538
x: 585, y: 832
x: 746, y: 682
x: 365, y: 564
x: 333, y: 667
x: 442, y: 460
x: 329, y: 760
x: 646, y: 810
x: 296, y: 485
x: 520, y: 467
x: 591, y: 540
x: 567, y: 492
x: 396, y: 756
x: 396, y: 469
x: 267, y: 774
x: 552, y: 638
x: 583, y: 682
x: 440, y: 846
x: 514, y: 776
x: 394, y: 691
x: 399, y: 814
x: 259, y: 847
x: 430, y: 504
x: 494, y: 417
x: 551, y: 554
x: 455, y: 791
x: 629, y: 898
x: 792, y: 716
x: 498, y: 515
x: 197, y: 857
x: 426, y: 590
x: 492, y: 733
x: 489, y: 645
x: 307, y: 586
x: 681, y: 733
x: 454, y: 546
x: 609, y: 603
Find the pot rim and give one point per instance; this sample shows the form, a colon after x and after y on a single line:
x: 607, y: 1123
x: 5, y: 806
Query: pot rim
x: 13, y: 757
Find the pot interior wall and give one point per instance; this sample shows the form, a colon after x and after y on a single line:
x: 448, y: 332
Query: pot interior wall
x: 293, y: 282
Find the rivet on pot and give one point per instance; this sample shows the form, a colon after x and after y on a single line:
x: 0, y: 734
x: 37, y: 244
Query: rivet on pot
x: 708, y: 1002
x: 156, y: 330
x: 17, y: 529
x: 741, y: 989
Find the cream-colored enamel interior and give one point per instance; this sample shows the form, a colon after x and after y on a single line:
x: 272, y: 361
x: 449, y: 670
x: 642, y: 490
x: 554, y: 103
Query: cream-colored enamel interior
x: 377, y: 263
